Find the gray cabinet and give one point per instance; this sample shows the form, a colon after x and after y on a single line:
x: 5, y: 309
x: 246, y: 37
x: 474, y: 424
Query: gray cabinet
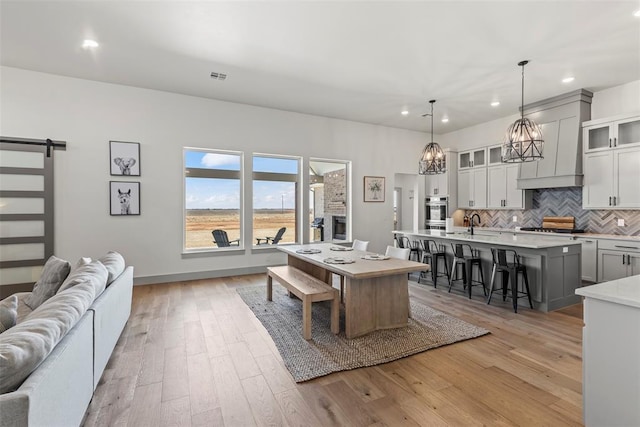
x: 589, y: 259
x: 617, y: 259
x: 603, y: 134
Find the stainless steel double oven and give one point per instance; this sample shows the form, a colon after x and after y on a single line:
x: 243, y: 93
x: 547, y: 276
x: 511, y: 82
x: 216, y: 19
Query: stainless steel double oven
x: 436, y: 211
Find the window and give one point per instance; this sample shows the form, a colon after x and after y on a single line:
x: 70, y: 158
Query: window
x: 275, y: 198
x: 329, y: 218
x: 213, y: 197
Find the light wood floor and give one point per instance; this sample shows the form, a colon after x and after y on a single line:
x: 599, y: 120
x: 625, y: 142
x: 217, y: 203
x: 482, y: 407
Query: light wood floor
x: 194, y: 354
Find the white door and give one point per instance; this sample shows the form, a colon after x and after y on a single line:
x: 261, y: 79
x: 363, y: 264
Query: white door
x: 479, y: 183
x: 464, y: 195
x: 496, y: 187
x: 513, y: 196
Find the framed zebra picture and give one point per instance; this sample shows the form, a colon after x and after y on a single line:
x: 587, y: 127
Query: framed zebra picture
x: 124, y: 198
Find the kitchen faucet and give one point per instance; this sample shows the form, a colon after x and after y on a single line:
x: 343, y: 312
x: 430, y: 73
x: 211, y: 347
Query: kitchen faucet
x: 471, y: 222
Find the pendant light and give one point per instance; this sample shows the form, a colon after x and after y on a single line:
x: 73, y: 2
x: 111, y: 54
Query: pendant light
x: 523, y: 141
x: 433, y: 160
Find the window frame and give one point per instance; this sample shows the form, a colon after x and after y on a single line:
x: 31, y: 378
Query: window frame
x: 282, y: 177
x: 215, y: 174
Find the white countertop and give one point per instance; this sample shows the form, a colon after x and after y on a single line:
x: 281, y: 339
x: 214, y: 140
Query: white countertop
x: 532, y: 241
x: 540, y: 233
x: 624, y: 291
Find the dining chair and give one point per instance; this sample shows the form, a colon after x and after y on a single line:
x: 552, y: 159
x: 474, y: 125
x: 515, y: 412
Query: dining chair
x: 358, y: 245
x: 399, y: 253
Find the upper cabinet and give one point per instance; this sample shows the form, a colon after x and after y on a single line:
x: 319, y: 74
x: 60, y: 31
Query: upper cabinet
x: 445, y: 184
x: 472, y: 159
x: 495, y: 155
x: 472, y: 188
x: 611, y: 163
x: 502, y: 188
x: 607, y: 134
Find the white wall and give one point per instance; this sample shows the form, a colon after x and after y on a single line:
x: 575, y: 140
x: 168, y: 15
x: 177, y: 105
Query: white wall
x: 616, y: 100
x: 88, y: 114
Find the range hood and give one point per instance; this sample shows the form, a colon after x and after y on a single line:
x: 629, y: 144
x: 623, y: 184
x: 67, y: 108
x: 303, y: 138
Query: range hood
x: 561, y: 120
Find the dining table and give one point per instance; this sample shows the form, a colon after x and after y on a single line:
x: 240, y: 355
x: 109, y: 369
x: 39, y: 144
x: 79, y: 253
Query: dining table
x: 376, y: 286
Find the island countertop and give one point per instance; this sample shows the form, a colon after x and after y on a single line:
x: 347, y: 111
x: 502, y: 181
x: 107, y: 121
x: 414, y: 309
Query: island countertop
x: 530, y: 241
x: 625, y: 291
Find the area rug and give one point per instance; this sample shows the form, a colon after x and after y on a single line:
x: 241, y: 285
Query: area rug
x: 326, y: 353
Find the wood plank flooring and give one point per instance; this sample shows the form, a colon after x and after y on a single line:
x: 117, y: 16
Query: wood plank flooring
x: 193, y: 354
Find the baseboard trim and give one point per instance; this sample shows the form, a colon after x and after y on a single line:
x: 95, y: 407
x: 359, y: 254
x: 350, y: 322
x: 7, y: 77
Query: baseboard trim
x: 198, y: 275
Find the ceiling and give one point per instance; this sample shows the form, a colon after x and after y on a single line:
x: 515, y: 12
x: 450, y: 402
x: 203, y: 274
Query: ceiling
x: 361, y: 61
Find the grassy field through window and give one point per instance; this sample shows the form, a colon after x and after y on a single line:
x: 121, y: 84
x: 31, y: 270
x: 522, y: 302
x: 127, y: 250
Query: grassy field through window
x: 266, y: 222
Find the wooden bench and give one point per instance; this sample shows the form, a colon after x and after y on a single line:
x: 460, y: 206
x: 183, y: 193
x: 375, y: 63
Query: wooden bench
x: 309, y: 290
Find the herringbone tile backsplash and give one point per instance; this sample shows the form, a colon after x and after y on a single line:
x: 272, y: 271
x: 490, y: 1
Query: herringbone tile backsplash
x: 564, y: 202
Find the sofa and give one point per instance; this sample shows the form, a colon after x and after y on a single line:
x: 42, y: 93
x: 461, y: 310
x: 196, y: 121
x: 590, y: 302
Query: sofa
x: 73, y: 332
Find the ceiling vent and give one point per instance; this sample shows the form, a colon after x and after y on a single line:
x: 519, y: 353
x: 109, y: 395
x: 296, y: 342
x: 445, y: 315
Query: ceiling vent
x: 218, y: 76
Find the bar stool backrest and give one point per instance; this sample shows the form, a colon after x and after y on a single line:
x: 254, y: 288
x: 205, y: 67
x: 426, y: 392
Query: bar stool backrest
x: 403, y: 242
x: 463, y: 250
x: 500, y: 257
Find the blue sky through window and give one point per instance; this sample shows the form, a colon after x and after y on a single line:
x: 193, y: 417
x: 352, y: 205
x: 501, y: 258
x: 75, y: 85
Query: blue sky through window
x: 214, y: 193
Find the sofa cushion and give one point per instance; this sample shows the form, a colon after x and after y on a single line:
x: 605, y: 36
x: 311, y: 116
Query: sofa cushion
x: 53, y: 274
x: 94, y: 273
x: 26, y: 345
x: 114, y: 262
x: 8, y: 312
x: 23, y: 309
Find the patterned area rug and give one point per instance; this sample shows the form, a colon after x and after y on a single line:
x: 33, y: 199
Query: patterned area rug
x: 326, y: 353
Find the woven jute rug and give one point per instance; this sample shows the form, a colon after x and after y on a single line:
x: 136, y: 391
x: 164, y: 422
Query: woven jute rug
x: 326, y: 353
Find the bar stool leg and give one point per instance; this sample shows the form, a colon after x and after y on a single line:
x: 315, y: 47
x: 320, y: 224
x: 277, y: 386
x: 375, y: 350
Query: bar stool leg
x: 467, y: 267
x: 513, y: 276
x: 526, y: 284
x: 493, y: 276
x: 484, y: 287
x: 454, y: 273
x: 505, y: 284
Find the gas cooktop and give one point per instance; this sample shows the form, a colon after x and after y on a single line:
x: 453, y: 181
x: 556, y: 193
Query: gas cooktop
x: 553, y: 230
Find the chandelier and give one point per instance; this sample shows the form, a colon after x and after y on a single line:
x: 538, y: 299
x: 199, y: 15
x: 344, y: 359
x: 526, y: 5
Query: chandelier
x: 433, y: 161
x: 523, y: 141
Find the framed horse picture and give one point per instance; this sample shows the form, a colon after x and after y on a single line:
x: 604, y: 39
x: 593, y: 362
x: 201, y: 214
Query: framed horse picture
x: 124, y: 158
x: 124, y: 198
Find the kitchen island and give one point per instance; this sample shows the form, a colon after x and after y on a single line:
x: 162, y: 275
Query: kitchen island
x: 611, y: 353
x: 553, y: 265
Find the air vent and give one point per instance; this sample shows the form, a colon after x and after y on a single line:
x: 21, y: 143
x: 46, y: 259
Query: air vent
x: 218, y: 76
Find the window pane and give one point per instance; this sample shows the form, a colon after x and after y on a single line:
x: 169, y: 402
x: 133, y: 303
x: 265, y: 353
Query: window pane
x: 275, y: 165
x: 328, y: 214
x: 212, y: 203
x: 274, y: 207
x: 209, y: 160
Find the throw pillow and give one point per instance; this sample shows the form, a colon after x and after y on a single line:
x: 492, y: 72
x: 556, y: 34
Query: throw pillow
x: 53, y: 274
x: 94, y: 272
x: 114, y: 262
x: 8, y: 312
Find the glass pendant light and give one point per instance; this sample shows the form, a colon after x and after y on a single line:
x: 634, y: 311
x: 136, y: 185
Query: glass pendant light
x: 523, y: 141
x: 433, y: 160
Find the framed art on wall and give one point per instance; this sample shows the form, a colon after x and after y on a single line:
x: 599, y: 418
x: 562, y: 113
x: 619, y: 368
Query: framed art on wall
x: 124, y: 198
x: 124, y: 158
x: 374, y: 189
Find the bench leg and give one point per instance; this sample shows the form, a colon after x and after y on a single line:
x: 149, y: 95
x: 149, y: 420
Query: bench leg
x: 335, y: 315
x: 269, y: 288
x: 306, y: 318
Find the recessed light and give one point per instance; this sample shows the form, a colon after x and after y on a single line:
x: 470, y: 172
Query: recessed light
x: 89, y: 44
x: 445, y: 120
x: 568, y: 79
x: 495, y: 103
x: 637, y: 13
x: 404, y: 112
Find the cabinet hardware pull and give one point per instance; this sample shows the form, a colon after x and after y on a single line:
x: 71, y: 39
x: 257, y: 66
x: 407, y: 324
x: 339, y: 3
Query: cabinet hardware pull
x: 615, y: 141
x: 609, y: 200
x: 623, y: 255
x: 626, y: 247
x: 589, y: 241
x: 614, y: 201
x: 628, y: 259
x: 609, y: 142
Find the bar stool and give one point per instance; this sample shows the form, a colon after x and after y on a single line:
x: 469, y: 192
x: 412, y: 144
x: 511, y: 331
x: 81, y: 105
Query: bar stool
x: 466, y: 257
x: 509, y: 275
x: 435, y: 253
x: 405, y: 243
